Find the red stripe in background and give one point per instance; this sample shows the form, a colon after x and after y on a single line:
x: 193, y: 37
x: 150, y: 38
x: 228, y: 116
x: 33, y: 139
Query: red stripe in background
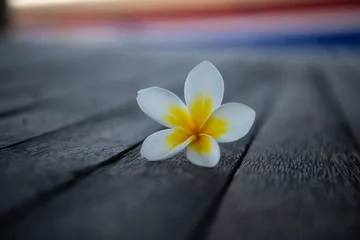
x: 325, y: 17
x: 227, y: 10
x: 258, y: 15
x: 322, y: 20
x: 194, y: 13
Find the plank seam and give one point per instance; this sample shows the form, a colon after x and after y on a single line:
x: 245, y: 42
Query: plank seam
x: 18, y: 212
x: 45, y: 103
x: 202, y: 228
x: 328, y: 95
x: 50, y: 61
x: 18, y: 110
x: 91, y: 118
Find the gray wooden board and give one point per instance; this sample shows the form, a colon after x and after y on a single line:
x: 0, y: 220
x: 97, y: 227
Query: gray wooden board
x: 136, y: 199
x: 300, y: 178
x: 80, y: 104
x: 345, y: 83
x: 16, y: 51
x: 56, y: 112
x: 40, y: 164
x: 62, y: 83
x: 50, y: 160
x: 24, y: 86
x: 37, y: 74
x: 15, y: 166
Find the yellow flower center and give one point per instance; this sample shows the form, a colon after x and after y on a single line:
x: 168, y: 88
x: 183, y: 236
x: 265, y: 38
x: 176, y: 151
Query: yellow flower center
x: 195, y: 122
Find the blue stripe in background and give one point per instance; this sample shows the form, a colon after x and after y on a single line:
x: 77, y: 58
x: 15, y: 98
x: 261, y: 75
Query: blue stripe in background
x: 348, y: 38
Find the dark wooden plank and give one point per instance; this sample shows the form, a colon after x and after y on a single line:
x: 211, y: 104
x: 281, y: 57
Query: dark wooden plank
x: 346, y: 86
x: 50, y: 160
x: 135, y: 199
x: 25, y: 86
x: 36, y: 74
x: 57, y: 72
x: 85, y: 102
x: 19, y: 52
x: 300, y: 178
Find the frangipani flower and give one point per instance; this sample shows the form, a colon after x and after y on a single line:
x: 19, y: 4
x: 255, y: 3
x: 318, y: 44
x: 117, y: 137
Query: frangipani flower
x: 200, y: 124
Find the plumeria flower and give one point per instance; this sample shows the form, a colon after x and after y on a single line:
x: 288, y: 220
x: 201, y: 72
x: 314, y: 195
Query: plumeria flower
x: 200, y: 124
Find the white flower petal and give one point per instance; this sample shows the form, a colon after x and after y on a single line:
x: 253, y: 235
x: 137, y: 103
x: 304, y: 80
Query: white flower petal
x: 164, y: 144
x: 164, y: 107
x: 230, y: 122
x: 204, y: 151
x: 204, y: 78
x: 204, y: 90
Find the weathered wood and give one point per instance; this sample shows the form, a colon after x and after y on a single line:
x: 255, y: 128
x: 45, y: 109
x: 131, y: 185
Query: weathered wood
x: 27, y: 85
x: 19, y: 52
x: 123, y: 121
x: 123, y: 125
x: 300, y: 178
x: 77, y: 105
x: 52, y: 159
x: 345, y: 83
x: 135, y: 199
x: 58, y: 81
x: 80, y: 67
x: 54, y: 70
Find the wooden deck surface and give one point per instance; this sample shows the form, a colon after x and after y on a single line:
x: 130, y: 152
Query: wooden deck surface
x: 71, y: 131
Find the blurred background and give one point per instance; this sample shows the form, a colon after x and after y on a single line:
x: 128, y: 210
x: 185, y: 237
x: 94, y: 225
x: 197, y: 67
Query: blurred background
x: 69, y: 71
x: 201, y: 23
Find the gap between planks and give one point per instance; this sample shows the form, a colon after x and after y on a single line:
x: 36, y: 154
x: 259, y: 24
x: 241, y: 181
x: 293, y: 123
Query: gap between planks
x: 81, y: 175
x: 327, y: 92
x: 16, y: 213
x: 47, y: 103
x: 201, y: 229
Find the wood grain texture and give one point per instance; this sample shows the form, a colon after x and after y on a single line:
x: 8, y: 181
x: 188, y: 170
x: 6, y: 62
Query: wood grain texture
x: 50, y: 160
x: 30, y: 85
x: 87, y: 91
x: 300, y: 178
x: 136, y: 199
x: 345, y: 83
x: 18, y: 51
x: 84, y: 102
